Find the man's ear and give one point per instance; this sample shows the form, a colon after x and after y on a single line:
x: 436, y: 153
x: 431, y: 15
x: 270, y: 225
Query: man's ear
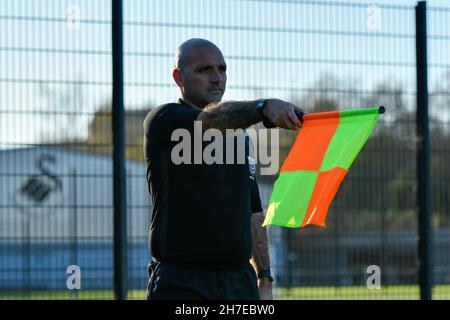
x: 176, y: 74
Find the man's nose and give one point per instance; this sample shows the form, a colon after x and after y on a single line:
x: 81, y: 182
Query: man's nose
x: 217, y: 76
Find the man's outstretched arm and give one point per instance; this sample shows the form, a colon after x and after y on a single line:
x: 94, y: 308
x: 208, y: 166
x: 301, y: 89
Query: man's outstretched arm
x: 260, y: 254
x: 243, y: 114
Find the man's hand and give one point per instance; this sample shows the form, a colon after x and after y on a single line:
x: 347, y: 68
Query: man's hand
x: 265, y: 289
x: 282, y: 114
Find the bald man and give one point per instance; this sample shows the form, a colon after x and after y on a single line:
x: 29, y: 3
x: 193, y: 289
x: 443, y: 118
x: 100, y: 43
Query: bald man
x: 205, y: 236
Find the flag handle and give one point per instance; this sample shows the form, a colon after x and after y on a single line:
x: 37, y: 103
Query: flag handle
x: 300, y: 113
x: 269, y: 124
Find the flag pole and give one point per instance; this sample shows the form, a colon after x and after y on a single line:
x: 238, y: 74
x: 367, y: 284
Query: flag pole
x: 300, y: 113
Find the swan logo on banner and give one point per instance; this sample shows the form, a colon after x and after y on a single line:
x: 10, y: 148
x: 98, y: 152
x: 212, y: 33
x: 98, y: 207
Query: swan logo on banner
x: 39, y: 187
x: 42, y: 189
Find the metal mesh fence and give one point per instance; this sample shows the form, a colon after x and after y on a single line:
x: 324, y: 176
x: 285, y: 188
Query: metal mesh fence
x: 56, y: 152
x: 56, y: 166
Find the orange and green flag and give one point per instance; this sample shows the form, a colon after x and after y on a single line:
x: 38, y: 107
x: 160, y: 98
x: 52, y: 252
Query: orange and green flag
x: 325, y: 147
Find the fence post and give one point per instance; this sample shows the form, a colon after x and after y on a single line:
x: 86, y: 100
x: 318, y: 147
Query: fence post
x: 423, y: 156
x: 120, y: 229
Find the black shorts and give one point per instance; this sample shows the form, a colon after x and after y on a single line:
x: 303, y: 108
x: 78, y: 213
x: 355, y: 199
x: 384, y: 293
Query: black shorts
x: 175, y: 281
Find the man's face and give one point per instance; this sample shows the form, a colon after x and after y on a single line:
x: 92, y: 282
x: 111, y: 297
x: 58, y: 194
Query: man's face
x: 203, y: 77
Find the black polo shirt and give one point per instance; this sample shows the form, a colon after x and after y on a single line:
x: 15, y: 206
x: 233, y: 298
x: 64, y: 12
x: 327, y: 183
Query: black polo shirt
x: 201, y: 212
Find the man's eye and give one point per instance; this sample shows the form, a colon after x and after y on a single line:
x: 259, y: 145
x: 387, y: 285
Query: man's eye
x: 209, y: 69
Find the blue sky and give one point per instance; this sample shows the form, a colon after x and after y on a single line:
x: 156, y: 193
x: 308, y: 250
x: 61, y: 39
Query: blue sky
x: 272, y: 48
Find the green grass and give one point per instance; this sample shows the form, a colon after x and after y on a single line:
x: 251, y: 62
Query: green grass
x: 360, y: 293
x: 440, y: 292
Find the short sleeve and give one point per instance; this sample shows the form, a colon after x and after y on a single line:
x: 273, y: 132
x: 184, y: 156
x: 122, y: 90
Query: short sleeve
x: 163, y: 121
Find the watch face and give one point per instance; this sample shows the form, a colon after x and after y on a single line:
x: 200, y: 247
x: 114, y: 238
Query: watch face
x: 260, y: 104
x: 265, y: 274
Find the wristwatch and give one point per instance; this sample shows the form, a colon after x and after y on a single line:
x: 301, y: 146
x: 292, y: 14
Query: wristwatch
x: 266, y: 274
x: 260, y: 106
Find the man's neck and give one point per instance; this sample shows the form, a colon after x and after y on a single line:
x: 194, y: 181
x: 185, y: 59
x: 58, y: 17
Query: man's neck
x: 190, y: 103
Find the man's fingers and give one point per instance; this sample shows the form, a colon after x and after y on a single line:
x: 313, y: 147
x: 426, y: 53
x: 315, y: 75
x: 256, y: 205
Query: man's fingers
x: 293, y: 117
x: 289, y: 124
x: 284, y: 115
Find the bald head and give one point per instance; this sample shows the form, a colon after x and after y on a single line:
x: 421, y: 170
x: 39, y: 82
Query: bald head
x: 183, y: 52
x: 200, y: 72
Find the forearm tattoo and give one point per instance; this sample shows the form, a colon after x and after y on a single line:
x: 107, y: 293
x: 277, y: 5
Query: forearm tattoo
x: 229, y: 115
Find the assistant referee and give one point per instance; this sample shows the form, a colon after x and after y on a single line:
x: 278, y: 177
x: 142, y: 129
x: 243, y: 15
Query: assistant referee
x: 205, y: 235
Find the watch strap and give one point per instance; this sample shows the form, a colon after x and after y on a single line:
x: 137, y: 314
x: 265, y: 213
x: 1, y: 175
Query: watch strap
x: 260, y: 105
x: 265, y: 274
